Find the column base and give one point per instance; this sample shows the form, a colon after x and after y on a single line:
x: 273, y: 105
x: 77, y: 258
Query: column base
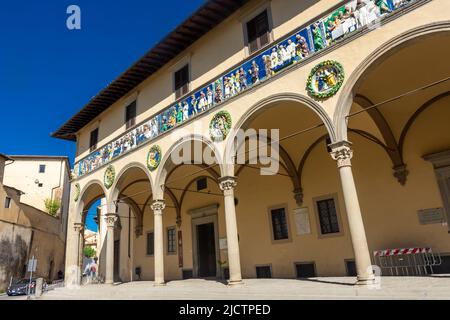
x: 365, y: 281
x: 159, y: 284
x: 235, y: 283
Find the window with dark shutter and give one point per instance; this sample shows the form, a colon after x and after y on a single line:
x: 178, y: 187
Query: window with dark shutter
x: 130, y: 115
x: 279, y: 224
x: 7, y: 202
x: 94, y: 140
x: 150, y: 243
x: 305, y: 270
x: 181, y: 79
x: 42, y: 168
x: 202, y: 184
x: 263, y: 272
x: 327, y: 216
x: 258, y: 30
x: 171, y: 240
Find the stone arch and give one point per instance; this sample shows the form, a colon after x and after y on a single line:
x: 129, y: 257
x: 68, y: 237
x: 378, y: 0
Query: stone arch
x: 258, y: 107
x: 287, y: 164
x: 117, y: 192
x: 85, y: 202
x: 371, y: 62
x: 167, y: 165
x: 122, y: 174
x: 415, y: 116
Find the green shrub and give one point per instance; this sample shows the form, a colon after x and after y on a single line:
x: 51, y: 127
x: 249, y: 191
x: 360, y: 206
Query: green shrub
x: 89, y: 252
x: 52, y: 206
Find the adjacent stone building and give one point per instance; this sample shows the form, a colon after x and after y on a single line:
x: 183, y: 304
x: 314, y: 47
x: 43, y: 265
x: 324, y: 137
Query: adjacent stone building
x: 26, y: 230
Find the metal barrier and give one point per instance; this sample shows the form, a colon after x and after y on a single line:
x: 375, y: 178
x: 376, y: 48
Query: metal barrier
x: 408, y: 262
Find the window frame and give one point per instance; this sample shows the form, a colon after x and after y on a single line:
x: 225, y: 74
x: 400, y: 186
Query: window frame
x: 272, y: 235
x: 178, y: 69
x: 441, y: 168
x: 146, y: 243
x: 129, y: 123
x: 7, y: 200
x: 347, y: 270
x: 333, y: 196
x: 305, y: 263
x: 93, y: 147
x: 269, y: 265
x: 250, y: 17
x: 174, y: 228
x: 198, y: 182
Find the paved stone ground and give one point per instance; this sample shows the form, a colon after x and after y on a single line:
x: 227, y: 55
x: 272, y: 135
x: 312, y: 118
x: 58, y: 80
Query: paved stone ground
x: 263, y: 289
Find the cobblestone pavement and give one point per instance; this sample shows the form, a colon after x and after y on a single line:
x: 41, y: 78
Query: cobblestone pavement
x: 263, y: 289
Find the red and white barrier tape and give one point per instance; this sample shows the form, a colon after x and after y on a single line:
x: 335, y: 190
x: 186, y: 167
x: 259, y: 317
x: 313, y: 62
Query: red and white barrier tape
x: 398, y: 252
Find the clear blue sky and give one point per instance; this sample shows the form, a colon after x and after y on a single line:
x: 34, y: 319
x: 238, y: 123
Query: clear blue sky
x: 48, y: 73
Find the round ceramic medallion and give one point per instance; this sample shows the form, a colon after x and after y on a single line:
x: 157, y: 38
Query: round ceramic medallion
x: 154, y: 157
x: 325, y: 79
x: 110, y: 176
x: 220, y: 126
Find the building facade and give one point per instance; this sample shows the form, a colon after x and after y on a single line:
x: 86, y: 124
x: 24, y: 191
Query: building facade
x: 359, y: 93
x: 27, y: 230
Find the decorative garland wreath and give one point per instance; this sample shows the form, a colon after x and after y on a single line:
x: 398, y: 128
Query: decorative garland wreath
x: 77, y: 192
x: 310, y: 86
x: 110, y: 176
x: 154, y: 149
x: 227, y: 125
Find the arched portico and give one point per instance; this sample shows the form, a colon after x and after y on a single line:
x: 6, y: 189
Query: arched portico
x: 88, y: 195
x: 384, y: 51
x: 403, y: 81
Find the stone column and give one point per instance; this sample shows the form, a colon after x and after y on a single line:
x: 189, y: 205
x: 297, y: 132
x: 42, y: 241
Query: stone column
x: 227, y: 185
x: 158, y: 206
x: 342, y: 153
x: 76, y: 272
x: 110, y: 219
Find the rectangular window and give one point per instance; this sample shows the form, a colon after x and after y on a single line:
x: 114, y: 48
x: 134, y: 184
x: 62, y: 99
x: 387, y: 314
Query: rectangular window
x: 42, y: 168
x: 181, y: 79
x: 327, y: 216
x: 130, y: 115
x: 171, y: 241
x: 188, y: 274
x: 350, y: 267
x: 258, y: 32
x: 279, y: 224
x: 305, y: 270
x: 94, y: 140
x: 263, y: 272
x: 40, y: 185
x: 7, y: 202
x: 150, y: 243
x: 202, y: 184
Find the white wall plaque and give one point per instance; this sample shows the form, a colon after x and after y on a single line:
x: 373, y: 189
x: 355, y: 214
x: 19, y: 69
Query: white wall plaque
x: 302, y: 221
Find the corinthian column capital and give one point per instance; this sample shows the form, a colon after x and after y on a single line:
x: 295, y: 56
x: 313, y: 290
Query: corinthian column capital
x: 227, y: 183
x: 342, y: 153
x: 158, y: 206
x: 111, y: 219
x: 78, y: 227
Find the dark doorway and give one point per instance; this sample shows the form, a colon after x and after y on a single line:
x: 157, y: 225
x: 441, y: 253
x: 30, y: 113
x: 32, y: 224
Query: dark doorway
x: 50, y: 271
x: 116, y: 260
x: 206, y: 250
